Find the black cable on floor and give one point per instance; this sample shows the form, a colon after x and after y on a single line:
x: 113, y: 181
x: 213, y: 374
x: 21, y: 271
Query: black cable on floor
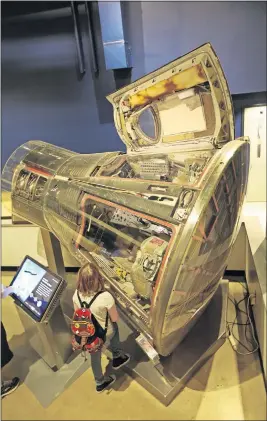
x: 230, y: 325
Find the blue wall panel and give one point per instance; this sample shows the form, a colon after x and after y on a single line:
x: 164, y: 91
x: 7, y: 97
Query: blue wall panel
x: 237, y: 31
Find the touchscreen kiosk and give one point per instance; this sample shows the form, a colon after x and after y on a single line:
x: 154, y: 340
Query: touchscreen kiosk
x: 36, y: 289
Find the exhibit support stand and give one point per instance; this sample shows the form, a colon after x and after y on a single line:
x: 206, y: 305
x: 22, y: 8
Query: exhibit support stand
x: 53, y: 252
x: 203, y: 340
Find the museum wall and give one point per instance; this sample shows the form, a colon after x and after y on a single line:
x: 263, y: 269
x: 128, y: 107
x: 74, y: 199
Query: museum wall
x: 44, y: 98
x: 237, y: 31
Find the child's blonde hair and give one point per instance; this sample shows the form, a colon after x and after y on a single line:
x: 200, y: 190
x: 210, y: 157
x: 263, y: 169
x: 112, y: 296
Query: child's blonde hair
x: 89, y: 279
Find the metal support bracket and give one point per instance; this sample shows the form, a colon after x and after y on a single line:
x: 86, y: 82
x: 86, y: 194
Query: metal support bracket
x: 53, y: 252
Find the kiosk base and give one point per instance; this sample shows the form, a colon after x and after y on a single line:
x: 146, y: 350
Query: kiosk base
x: 202, y: 342
x: 51, y: 340
x: 44, y: 383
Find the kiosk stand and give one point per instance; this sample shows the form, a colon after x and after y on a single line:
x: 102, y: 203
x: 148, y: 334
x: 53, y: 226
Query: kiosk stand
x: 50, y: 339
x: 46, y: 352
x: 50, y: 335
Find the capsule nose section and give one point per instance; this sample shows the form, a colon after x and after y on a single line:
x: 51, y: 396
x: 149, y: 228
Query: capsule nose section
x: 13, y: 161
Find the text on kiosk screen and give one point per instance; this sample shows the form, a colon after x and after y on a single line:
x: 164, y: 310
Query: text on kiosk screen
x: 34, y: 287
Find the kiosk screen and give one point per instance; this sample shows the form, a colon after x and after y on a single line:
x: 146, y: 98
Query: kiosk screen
x: 34, y: 287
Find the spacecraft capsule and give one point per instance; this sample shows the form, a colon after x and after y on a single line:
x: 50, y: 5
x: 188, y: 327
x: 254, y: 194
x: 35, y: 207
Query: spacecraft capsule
x: 160, y: 220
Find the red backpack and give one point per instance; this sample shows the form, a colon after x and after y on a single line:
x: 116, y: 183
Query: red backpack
x: 88, y: 334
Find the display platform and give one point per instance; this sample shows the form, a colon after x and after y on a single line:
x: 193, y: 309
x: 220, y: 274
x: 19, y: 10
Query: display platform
x: 45, y: 384
x: 203, y: 340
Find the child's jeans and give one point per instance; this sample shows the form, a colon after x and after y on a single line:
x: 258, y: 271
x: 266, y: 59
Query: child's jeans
x: 113, y: 344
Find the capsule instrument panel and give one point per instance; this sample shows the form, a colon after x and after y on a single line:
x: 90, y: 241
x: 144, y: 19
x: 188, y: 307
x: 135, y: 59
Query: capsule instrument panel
x: 160, y: 220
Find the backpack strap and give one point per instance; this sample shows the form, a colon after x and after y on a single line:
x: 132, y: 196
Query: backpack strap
x: 91, y: 302
x: 79, y: 298
x: 94, y: 297
x: 83, y: 304
x: 106, y: 322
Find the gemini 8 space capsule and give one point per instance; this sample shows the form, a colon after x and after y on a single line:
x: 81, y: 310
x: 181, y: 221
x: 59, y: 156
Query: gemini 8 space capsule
x: 159, y: 220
